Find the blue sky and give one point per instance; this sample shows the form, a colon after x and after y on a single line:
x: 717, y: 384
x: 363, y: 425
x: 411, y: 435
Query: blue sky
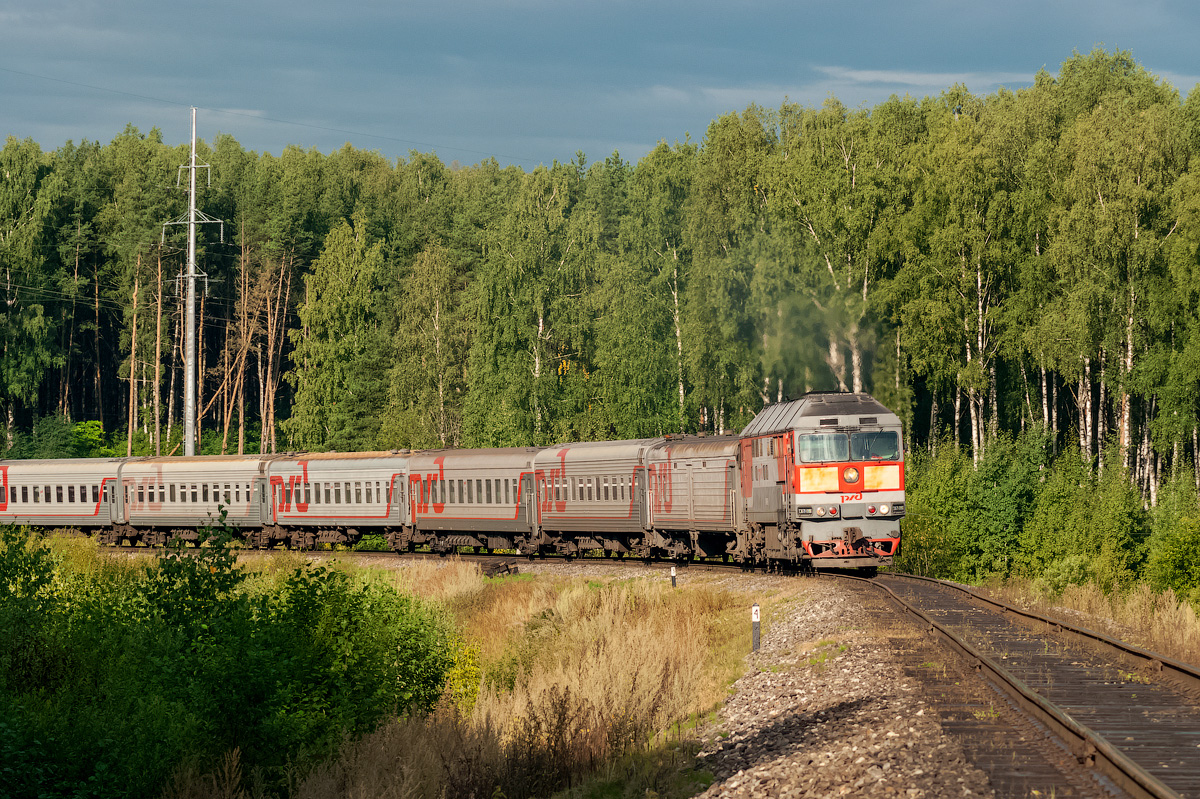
x: 525, y: 81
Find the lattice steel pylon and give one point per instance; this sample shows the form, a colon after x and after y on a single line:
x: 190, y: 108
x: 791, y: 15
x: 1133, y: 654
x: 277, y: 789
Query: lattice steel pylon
x: 191, y: 219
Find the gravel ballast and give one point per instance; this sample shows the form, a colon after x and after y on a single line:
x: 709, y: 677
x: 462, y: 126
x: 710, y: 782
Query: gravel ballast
x: 825, y: 711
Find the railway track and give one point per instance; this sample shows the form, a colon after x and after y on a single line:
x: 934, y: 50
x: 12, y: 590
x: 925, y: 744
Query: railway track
x: 1130, y: 715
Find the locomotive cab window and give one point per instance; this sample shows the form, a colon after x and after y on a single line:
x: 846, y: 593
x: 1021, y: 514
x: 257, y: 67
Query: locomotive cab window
x: 822, y: 447
x: 880, y: 445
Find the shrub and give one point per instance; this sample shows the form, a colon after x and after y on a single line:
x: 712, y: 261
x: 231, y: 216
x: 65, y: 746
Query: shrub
x: 114, y: 678
x: 1174, y: 560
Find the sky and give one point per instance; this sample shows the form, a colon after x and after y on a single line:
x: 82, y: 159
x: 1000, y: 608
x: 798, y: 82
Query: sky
x: 526, y: 82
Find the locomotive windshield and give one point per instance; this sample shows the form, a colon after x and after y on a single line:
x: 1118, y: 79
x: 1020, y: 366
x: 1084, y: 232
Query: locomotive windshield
x: 881, y: 445
x: 825, y: 447
x: 820, y: 447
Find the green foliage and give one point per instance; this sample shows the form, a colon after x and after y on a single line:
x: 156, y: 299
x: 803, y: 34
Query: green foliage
x: 56, y: 437
x: 1174, y: 560
x: 112, y: 677
x: 935, y: 509
x: 340, y: 348
x: 1022, y: 512
x: 1072, y: 570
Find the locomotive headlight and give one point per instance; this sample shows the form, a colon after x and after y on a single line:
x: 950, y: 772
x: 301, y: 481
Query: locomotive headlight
x: 850, y: 474
x: 820, y: 511
x: 883, y: 509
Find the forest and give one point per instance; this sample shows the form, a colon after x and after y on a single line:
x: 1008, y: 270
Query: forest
x: 987, y: 266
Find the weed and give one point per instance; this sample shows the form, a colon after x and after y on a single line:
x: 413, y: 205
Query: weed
x: 983, y: 715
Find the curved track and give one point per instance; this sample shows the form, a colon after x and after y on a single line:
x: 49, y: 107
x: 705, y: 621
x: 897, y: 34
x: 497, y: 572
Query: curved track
x: 1131, y: 715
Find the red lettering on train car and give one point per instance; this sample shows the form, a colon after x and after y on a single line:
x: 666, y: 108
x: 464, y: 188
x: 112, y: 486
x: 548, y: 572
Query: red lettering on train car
x: 558, y: 479
x: 293, y: 492
x: 416, y: 495
x: 439, y: 476
x: 4, y: 485
x: 662, y: 485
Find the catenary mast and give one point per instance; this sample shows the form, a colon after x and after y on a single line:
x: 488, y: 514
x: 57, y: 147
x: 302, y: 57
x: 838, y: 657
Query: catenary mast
x: 193, y: 218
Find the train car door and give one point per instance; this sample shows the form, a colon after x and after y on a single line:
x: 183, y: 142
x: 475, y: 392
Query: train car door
x: 265, y: 505
x: 399, y: 506
x: 640, y: 498
x: 530, y: 501
x: 110, y: 502
x: 737, y: 500
x: 114, y: 496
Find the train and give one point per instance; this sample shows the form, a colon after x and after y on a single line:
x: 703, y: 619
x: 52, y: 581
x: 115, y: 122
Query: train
x: 812, y: 483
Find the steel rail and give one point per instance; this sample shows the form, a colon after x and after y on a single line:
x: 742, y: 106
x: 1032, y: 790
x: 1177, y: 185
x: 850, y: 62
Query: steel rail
x: 1086, y: 745
x: 1173, y: 670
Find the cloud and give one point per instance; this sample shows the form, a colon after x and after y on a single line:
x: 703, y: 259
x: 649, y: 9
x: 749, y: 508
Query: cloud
x: 922, y: 81
x: 1184, y: 83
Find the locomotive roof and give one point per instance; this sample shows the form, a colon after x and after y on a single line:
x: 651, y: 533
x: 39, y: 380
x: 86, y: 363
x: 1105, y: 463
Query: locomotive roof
x: 787, y: 415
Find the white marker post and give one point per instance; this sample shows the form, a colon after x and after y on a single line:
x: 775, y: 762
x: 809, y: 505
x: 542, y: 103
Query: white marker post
x: 754, y: 637
x: 672, y: 576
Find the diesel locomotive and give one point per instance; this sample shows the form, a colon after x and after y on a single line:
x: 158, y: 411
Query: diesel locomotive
x: 816, y: 482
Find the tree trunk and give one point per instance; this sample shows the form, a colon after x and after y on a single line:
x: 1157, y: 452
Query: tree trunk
x: 994, y: 419
x: 678, y: 332
x: 856, y: 357
x: 262, y: 402
x: 957, y: 414
x: 96, y: 344
x: 64, y: 404
x: 537, y: 377
x: 441, y: 371
x: 1083, y: 401
x: 1028, y: 399
x: 158, y: 360
x: 1126, y: 424
x: 1045, y: 400
x: 131, y: 419
x: 1101, y: 417
x: 1054, y: 412
x: 934, y: 432
x: 837, y: 364
x: 200, y: 373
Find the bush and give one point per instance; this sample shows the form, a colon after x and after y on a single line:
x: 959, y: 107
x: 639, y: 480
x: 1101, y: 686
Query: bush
x: 1174, y: 560
x: 1071, y: 570
x: 113, y: 678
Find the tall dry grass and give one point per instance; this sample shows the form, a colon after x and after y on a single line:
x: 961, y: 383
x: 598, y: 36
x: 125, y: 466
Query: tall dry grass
x: 1154, y: 620
x: 574, y: 675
